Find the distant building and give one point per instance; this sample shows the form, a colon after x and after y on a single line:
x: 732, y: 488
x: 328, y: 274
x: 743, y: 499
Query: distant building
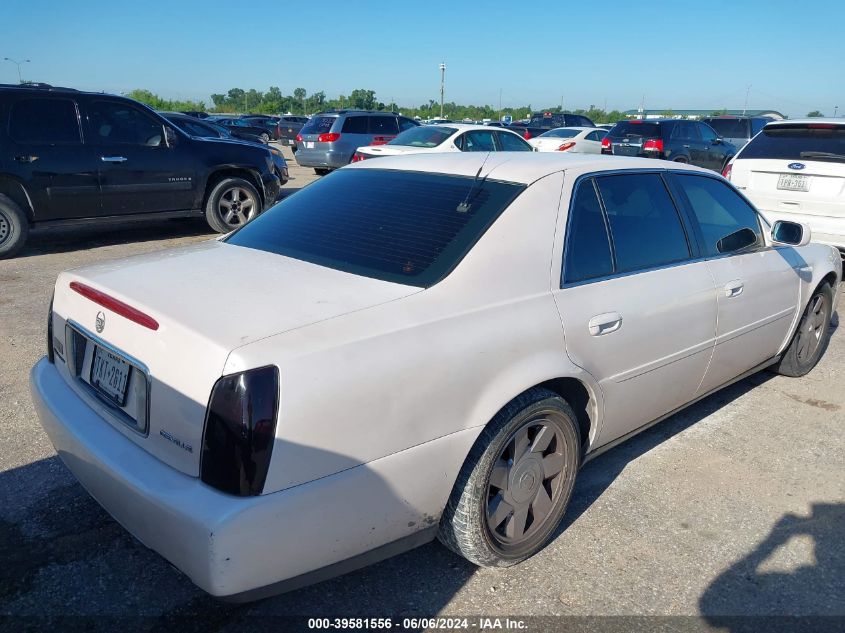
x: 697, y: 114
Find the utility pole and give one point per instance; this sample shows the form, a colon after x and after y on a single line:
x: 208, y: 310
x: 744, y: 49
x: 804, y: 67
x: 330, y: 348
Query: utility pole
x: 835, y: 110
x: 442, y: 85
x: 745, y: 106
x: 561, y: 103
x: 18, y: 64
x: 500, y: 104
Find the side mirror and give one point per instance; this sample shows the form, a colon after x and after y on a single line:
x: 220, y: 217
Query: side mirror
x: 790, y: 233
x: 737, y: 241
x: 718, y: 141
x: 170, y: 136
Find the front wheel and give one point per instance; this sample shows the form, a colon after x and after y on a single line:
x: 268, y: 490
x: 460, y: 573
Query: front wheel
x: 231, y: 203
x: 516, y: 482
x: 811, y: 338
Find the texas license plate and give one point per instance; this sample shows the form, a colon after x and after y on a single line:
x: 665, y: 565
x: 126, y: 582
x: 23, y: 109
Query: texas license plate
x: 309, y: 144
x: 794, y: 182
x: 110, y: 375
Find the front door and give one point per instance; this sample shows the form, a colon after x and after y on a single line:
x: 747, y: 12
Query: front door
x: 638, y: 313
x: 757, y: 286
x: 139, y: 171
x: 47, y: 154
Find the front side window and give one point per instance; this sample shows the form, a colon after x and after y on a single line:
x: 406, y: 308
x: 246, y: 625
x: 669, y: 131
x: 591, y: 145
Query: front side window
x: 44, y: 122
x: 644, y: 224
x: 707, y: 133
x: 115, y: 123
x: 588, y: 253
x: 405, y: 227
x: 719, y: 210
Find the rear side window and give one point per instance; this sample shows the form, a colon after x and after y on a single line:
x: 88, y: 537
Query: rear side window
x: 807, y: 141
x: 511, y: 142
x: 644, y: 225
x: 479, y: 142
x: 684, y: 131
x: 384, y: 125
x: 44, y: 121
x: 318, y: 125
x: 410, y: 228
x: 355, y: 125
x: 719, y: 210
x: 587, y: 244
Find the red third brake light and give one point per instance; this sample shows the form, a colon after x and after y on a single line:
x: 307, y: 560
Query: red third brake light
x: 329, y: 137
x: 566, y: 146
x: 654, y: 145
x: 115, y: 305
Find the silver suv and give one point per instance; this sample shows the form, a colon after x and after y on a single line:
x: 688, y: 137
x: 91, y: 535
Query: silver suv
x: 329, y: 139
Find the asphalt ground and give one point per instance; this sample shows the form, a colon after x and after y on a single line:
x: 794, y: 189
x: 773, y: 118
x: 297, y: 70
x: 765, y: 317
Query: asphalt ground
x: 733, y: 507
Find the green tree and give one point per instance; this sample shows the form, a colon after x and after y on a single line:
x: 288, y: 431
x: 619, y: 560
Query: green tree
x: 299, y: 96
x: 363, y: 99
x: 158, y: 103
x: 814, y: 114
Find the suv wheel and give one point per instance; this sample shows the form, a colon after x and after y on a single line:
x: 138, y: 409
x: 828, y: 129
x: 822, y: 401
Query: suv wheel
x: 231, y: 203
x: 14, y: 228
x: 265, y: 138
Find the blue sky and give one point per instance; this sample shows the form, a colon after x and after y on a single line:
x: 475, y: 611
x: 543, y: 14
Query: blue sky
x: 677, y: 54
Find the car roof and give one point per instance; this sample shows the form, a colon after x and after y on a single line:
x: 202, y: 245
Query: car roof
x: 519, y: 167
x: 461, y: 127
x: 826, y: 120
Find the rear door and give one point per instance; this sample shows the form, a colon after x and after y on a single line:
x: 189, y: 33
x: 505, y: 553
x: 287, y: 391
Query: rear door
x: 716, y: 151
x: 757, y: 288
x: 638, y: 311
x: 139, y: 172
x: 685, y: 140
x: 591, y: 143
x: 47, y: 153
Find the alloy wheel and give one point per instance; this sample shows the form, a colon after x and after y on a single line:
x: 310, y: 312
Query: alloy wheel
x: 812, y: 326
x: 237, y: 206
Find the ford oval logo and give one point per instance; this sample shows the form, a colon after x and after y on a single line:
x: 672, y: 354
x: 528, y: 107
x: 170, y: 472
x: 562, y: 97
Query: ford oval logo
x: 796, y: 165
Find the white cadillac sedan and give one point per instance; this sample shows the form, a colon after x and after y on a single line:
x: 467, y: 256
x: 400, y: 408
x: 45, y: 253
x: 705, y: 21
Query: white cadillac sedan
x: 422, y: 346
x: 454, y: 137
x: 575, y: 140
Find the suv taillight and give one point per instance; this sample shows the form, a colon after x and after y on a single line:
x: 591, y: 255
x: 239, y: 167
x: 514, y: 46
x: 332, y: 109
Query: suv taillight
x: 240, y: 428
x: 566, y: 146
x: 328, y: 137
x: 726, y: 172
x: 357, y: 157
x: 653, y: 145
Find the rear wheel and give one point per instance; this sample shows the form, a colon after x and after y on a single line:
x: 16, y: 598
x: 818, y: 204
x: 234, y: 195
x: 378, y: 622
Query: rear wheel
x: 14, y: 228
x: 516, y: 482
x: 681, y: 159
x: 231, y: 203
x: 811, y: 338
x: 265, y: 138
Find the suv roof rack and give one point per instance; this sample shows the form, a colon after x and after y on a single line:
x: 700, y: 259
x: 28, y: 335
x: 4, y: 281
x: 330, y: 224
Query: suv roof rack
x: 36, y: 85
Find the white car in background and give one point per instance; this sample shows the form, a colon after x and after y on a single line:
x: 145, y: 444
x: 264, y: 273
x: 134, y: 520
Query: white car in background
x: 576, y: 140
x: 394, y: 367
x: 452, y: 137
x: 795, y: 170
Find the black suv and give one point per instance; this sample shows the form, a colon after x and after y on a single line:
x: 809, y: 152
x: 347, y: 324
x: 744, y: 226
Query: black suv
x: 68, y: 157
x: 679, y: 140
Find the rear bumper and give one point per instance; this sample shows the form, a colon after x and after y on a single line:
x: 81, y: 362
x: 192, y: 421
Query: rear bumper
x: 232, y: 545
x: 322, y: 159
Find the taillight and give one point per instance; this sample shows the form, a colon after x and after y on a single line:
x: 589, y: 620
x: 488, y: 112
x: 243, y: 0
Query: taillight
x: 527, y: 135
x: 299, y: 138
x: 381, y: 140
x: 328, y: 137
x: 653, y: 145
x: 566, y: 146
x: 726, y: 172
x: 605, y: 143
x: 240, y: 428
x: 357, y: 157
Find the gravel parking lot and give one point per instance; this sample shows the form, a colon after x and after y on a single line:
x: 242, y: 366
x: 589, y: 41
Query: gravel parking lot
x: 735, y: 506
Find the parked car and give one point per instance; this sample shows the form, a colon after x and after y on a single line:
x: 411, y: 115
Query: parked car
x: 577, y: 140
x: 68, y: 156
x: 736, y: 130
x: 541, y: 122
x: 795, y: 170
x: 270, y: 123
x: 677, y: 140
x: 243, y: 128
x: 454, y: 137
x: 329, y: 139
x: 403, y: 373
x: 206, y: 129
x: 290, y: 125
x: 438, y: 121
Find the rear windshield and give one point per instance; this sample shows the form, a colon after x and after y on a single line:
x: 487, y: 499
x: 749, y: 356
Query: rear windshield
x: 635, y: 129
x: 814, y: 141
x: 411, y: 228
x: 729, y: 128
x: 318, y: 125
x: 560, y: 133
x: 423, y: 136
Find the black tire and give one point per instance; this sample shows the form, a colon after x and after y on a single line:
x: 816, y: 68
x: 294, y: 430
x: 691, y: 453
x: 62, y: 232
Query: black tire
x: 226, y: 210
x: 810, y: 340
x: 265, y: 138
x: 681, y: 159
x: 320, y: 171
x: 14, y: 228
x: 503, y: 510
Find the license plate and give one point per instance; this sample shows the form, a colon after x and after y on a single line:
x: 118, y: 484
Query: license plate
x: 110, y: 374
x: 309, y: 144
x: 794, y: 182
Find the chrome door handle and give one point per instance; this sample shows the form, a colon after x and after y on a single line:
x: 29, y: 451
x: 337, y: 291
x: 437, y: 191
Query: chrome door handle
x: 605, y: 323
x: 26, y: 159
x: 113, y: 159
x: 687, y: 146
x: 733, y: 288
